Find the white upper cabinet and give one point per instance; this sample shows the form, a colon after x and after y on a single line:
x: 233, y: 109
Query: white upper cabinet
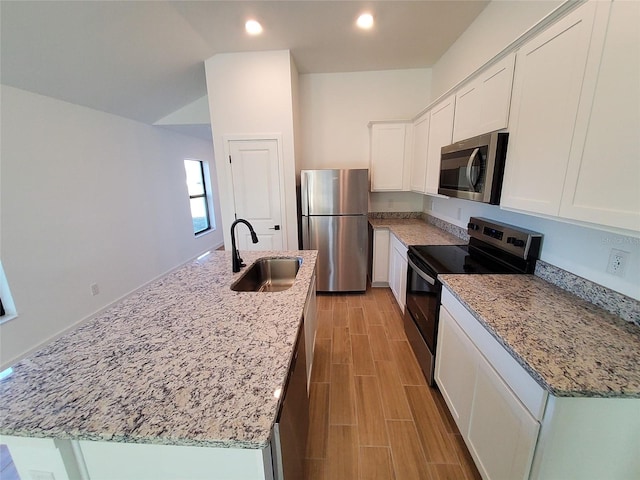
x: 440, y: 135
x: 419, y: 153
x: 482, y: 105
x: 548, y: 82
x: 602, y: 183
x: 390, y: 159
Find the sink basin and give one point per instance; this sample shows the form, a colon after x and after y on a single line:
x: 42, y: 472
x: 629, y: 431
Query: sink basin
x: 268, y: 275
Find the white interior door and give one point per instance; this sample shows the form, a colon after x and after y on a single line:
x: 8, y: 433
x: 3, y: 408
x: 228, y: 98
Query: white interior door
x: 256, y: 192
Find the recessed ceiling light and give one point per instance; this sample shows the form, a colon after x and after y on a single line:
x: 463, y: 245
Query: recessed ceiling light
x: 365, y: 21
x: 253, y: 27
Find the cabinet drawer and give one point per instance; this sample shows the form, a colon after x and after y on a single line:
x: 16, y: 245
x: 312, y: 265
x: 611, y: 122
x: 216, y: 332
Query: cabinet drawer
x: 529, y: 392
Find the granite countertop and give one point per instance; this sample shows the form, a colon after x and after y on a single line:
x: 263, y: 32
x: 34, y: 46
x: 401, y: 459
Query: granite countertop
x: 570, y: 347
x: 413, y: 231
x: 184, y: 361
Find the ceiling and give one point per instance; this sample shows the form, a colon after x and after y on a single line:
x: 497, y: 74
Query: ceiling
x: 144, y: 59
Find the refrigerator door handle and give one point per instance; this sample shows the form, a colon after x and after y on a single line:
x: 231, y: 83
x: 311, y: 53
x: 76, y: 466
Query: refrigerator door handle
x: 305, y: 194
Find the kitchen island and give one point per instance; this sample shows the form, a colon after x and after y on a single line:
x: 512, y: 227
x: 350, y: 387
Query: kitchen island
x: 185, y: 363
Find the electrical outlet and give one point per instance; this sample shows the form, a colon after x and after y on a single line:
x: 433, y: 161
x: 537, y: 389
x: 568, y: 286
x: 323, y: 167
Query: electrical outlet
x: 617, y: 262
x: 459, y: 214
x: 95, y: 290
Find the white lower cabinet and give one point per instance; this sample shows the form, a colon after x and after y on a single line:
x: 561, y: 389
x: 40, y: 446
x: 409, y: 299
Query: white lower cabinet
x: 380, y: 267
x: 498, y: 428
x: 456, y: 366
x: 502, y: 433
x: 398, y: 270
x: 512, y: 427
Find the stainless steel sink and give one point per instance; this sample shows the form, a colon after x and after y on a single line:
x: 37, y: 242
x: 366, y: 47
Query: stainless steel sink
x: 269, y: 275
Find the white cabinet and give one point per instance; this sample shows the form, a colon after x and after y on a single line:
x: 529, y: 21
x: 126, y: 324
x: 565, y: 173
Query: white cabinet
x: 380, y: 260
x: 482, y: 105
x: 574, y: 145
x: 390, y: 156
x: 419, y: 153
x: 440, y: 135
x: 398, y: 270
x: 548, y: 80
x: 512, y: 426
x: 493, y: 400
x: 500, y: 428
x: 310, y: 326
x: 456, y: 366
x: 602, y: 184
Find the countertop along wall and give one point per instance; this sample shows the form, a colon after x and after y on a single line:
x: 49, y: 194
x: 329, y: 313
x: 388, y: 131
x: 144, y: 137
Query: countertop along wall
x: 87, y: 197
x: 580, y: 250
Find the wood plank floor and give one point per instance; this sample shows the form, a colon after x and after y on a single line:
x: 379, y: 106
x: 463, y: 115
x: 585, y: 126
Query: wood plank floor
x: 372, y: 415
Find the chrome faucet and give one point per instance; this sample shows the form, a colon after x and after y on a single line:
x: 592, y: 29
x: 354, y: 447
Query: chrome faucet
x: 236, y: 261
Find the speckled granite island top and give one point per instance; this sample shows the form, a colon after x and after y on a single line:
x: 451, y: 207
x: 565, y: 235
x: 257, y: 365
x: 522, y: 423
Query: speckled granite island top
x: 416, y: 232
x: 184, y: 361
x: 571, y: 347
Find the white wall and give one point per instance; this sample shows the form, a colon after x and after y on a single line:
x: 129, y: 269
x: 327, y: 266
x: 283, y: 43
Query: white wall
x: 87, y: 197
x: 251, y: 94
x: 335, y: 109
x: 581, y: 250
x: 500, y: 23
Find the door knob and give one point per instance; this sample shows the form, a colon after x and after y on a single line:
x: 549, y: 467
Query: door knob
x: 275, y: 227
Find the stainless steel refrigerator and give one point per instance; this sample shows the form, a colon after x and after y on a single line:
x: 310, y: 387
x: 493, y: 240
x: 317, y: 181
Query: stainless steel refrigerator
x: 334, y: 221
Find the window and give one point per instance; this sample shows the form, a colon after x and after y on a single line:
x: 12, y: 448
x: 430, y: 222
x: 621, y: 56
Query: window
x: 198, y: 195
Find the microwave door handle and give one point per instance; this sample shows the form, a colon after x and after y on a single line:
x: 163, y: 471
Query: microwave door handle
x: 472, y: 157
x: 420, y: 273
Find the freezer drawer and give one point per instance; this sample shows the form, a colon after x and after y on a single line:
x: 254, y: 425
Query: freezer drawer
x: 342, y: 244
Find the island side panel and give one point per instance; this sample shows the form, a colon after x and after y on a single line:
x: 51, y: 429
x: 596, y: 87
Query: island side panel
x: 40, y: 455
x: 128, y: 461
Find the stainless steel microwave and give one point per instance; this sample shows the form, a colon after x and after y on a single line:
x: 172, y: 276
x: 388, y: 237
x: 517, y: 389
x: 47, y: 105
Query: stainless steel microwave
x: 473, y: 168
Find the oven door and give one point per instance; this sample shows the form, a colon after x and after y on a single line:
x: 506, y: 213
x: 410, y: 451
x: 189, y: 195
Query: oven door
x: 421, y: 313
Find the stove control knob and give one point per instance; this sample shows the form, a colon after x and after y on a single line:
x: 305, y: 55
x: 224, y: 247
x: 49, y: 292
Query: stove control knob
x: 472, y: 226
x: 515, y: 241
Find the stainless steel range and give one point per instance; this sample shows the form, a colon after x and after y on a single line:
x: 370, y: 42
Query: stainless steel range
x: 493, y: 247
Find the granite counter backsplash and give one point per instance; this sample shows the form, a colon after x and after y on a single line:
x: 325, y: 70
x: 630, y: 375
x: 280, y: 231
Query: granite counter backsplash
x: 184, y: 361
x: 621, y: 305
x: 570, y: 346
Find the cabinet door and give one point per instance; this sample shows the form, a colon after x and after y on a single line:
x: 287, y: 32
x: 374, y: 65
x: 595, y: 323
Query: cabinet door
x: 394, y: 278
x: 380, y: 267
x: 398, y: 270
x: 440, y: 135
x: 388, y: 157
x: 603, y: 178
x: 547, y: 84
x: 502, y: 433
x: 483, y: 105
x: 419, y: 153
x: 456, y: 365
x: 310, y: 326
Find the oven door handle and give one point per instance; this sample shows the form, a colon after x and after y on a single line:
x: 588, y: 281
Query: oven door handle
x: 420, y: 273
x: 472, y: 184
